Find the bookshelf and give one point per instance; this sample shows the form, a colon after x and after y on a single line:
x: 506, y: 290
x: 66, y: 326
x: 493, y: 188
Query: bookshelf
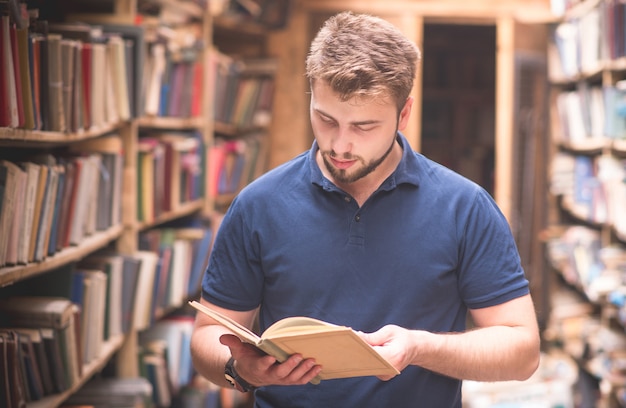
x: 585, y: 240
x: 157, y: 118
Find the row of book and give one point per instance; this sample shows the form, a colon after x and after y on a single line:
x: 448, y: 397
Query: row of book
x: 588, y: 41
x: 170, y: 172
x: 165, y: 357
x: 65, y: 77
x: 596, y: 271
x: 173, y: 79
x: 243, y: 89
x: 40, y: 348
x: 57, y: 323
x: 592, y: 188
x: 590, y: 112
x: 176, y: 272
x: 234, y: 163
x: 54, y: 199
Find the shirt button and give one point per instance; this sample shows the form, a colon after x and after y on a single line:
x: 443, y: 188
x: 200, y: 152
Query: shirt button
x: 357, y: 218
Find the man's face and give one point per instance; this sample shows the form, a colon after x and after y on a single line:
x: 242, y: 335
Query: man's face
x: 355, y: 136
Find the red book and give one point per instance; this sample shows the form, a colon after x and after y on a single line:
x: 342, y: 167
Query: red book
x: 5, y: 105
x: 197, y: 89
x: 18, y: 77
x: 36, y: 74
x: 86, y: 74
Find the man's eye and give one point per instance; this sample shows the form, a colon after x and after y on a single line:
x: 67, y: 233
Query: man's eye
x: 327, y: 121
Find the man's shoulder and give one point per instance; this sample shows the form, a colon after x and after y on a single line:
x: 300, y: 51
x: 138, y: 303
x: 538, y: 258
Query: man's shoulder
x: 281, y: 177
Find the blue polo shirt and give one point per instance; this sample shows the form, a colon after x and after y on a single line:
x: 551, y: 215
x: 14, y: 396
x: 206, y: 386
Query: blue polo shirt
x: 425, y: 247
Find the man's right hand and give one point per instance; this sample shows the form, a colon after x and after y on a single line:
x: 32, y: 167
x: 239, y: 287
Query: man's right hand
x: 261, y: 369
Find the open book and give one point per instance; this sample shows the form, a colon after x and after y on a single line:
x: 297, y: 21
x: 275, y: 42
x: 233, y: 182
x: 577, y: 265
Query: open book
x: 338, y: 349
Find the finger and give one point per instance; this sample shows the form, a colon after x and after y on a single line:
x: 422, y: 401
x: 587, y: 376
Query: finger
x: 305, y: 372
x: 230, y: 340
x: 296, y: 370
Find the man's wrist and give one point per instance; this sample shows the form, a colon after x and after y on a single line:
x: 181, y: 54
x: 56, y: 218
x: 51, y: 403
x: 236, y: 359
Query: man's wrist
x: 235, y: 379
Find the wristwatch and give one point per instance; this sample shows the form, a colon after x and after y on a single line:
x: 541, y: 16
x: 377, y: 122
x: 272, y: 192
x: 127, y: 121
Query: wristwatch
x: 234, y: 379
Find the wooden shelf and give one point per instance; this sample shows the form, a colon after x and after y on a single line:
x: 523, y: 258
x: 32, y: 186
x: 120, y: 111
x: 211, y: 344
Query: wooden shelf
x: 591, y: 145
x: 227, y: 129
x: 183, y: 210
x: 161, y: 122
x: 12, y: 274
x: 11, y: 136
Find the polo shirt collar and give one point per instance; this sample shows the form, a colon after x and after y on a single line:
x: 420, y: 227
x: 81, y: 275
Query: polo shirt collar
x: 407, y: 171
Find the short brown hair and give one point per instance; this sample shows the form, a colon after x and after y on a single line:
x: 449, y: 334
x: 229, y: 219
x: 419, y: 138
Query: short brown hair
x: 364, y: 56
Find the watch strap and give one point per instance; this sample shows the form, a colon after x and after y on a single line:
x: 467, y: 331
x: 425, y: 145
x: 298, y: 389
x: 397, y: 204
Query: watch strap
x: 234, y: 379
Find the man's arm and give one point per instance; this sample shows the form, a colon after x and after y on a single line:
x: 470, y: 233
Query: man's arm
x: 208, y: 354
x: 505, y: 345
x: 212, y: 345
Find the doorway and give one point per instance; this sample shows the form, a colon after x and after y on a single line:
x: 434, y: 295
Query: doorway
x: 458, y: 105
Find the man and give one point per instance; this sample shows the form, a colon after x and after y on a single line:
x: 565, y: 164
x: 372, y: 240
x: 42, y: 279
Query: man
x: 363, y: 232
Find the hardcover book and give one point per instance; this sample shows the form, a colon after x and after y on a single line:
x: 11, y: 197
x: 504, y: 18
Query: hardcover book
x: 338, y: 349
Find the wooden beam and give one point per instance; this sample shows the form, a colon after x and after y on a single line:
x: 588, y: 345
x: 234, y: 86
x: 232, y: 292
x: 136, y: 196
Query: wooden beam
x: 527, y: 11
x: 505, y: 67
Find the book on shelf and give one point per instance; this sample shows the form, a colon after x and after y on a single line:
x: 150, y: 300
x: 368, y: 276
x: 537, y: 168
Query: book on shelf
x: 50, y: 190
x: 109, y: 174
x: 41, y: 58
x: 55, y: 81
x: 133, y: 37
x: 105, y: 391
x: 17, y: 74
x: 6, y: 112
x: 97, y: 85
x: 68, y: 51
x: 29, y: 368
x: 149, y: 165
x: 11, y: 250
x: 131, y: 268
x: 13, y: 387
x: 52, y: 346
x: 10, y: 176
x: 112, y: 265
x: 154, y: 366
x: 34, y: 50
x: 117, y: 64
x: 33, y: 340
x: 22, y: 43
x: 202, y: 250
x: 51, y: 245
x: 48, y: 312
x: 8, y: 72
x: 338, y: 349
x: 153, y: 77
x: 142, y: 313
x: 170, y: 338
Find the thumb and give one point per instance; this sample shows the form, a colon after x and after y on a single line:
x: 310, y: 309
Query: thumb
x: 232, y: 342
x: 377, y: 338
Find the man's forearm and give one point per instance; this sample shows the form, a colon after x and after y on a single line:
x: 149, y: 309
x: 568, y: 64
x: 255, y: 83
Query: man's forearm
x: 209, y: 356
x: 497, y: 353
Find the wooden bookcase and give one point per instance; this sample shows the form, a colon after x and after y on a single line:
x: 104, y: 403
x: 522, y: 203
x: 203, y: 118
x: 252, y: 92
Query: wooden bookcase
x: 217, y: 32
x: 586, y: 241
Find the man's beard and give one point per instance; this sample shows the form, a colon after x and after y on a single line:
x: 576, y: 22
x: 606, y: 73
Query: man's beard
x: 342, y: 176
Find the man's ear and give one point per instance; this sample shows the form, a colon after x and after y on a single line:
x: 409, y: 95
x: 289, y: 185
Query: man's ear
x: 405, y: 113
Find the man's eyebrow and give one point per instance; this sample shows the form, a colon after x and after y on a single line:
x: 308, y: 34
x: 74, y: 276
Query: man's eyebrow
x: 357, y: 123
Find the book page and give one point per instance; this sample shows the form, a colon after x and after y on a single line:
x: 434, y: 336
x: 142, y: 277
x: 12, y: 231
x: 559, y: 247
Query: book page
x: 241, y: 331
x: 298, y: 324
